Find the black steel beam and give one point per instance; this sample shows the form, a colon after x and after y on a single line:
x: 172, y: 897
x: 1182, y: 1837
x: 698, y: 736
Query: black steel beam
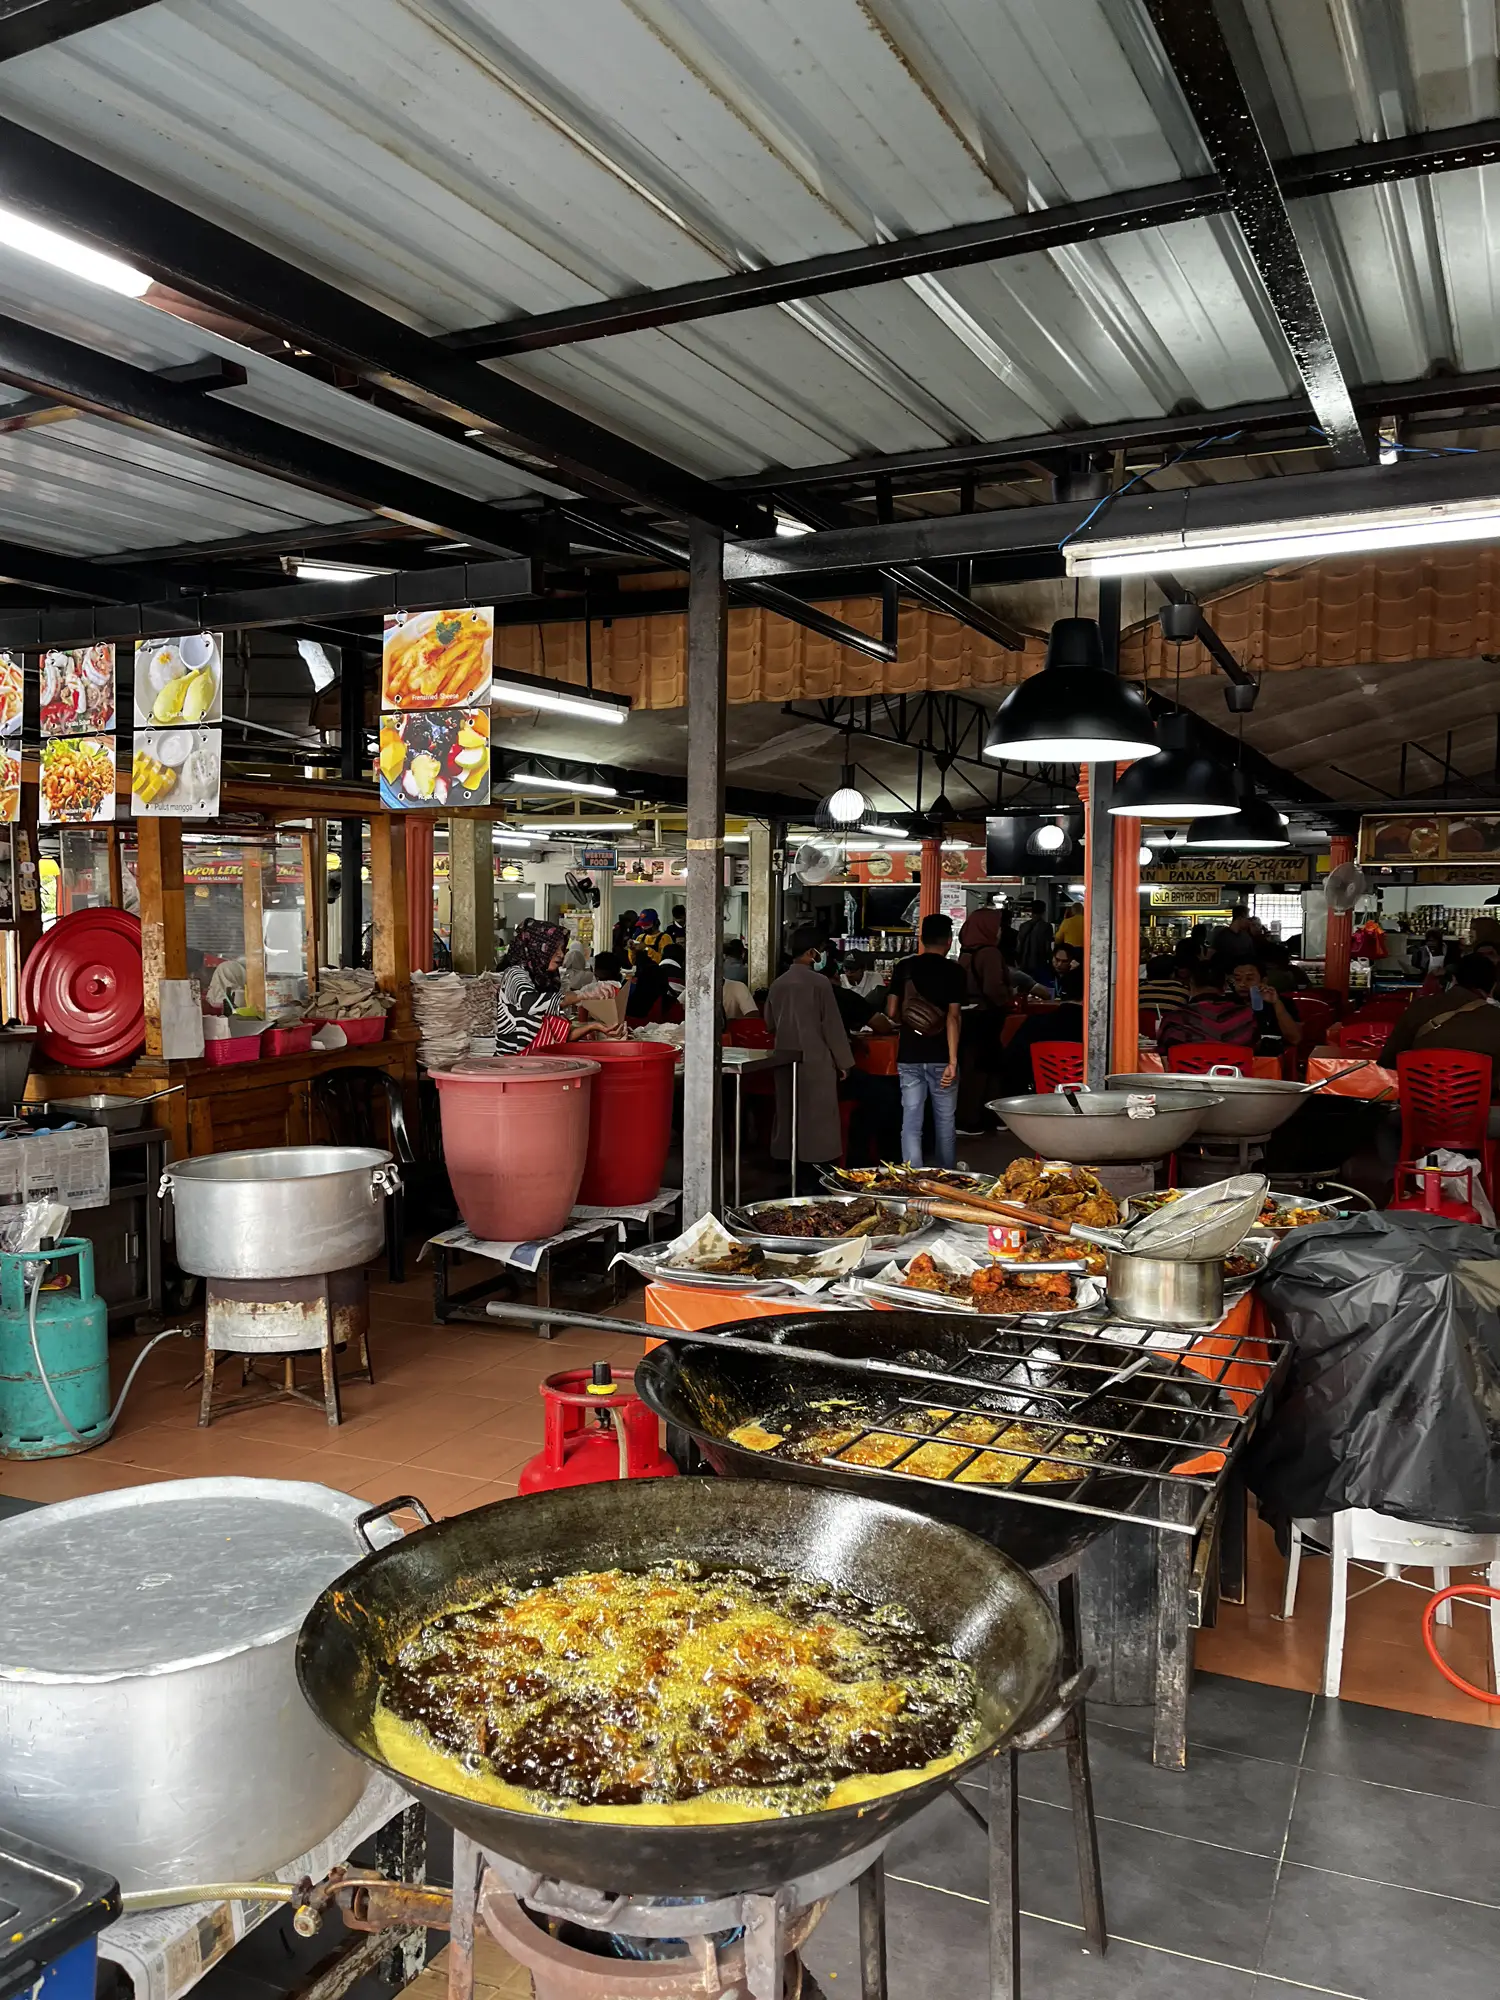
x: 210, y: 263
x: 77, y: 576
x: 35, y: 24
x: 1207, y: 637
x: 202, y: 376
x: 1026, y: 234
x: 1199, y: 56
x: 285, y: 604
x: 47, y: 364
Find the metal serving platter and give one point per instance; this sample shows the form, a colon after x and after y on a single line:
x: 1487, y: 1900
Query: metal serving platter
x: 836, y: 1180
x: 742, y: 1223
x: 945, y: 1302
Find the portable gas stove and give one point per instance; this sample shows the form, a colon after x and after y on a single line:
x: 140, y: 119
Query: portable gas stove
x: 256, y: 1318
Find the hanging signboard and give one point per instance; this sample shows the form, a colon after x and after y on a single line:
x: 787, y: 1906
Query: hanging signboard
x: 437, y: 659
x: 1209, y: 899
x: 1220, y: 869
x: 1469, y: 840
x: 78, y: 691
x: 176, y: 773
x: 180, y: 680
x: 440, y: 757
x: 77, y: 780
x: 606, y: 859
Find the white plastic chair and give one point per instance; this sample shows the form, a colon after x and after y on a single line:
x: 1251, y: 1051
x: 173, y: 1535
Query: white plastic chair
x: 1359, y: 1534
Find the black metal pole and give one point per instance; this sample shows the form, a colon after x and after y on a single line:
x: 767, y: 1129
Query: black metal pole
x: 707, y: 669
x: 351, y: 831
x: 1101, y: 839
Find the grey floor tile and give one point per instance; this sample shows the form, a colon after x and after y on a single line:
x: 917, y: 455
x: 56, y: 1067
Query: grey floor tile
x: 938, y: 1950
x: 1449, y: 1846
x: 1227, y: 1714
x: 1238, y: 1801
x: 1379, y: 1942
x: 1456, y: 1759
x: 1160, y: 1889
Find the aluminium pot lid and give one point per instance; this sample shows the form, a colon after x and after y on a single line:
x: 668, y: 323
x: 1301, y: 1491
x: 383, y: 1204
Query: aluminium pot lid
x: 84, y: 987
x: 154, y: 1579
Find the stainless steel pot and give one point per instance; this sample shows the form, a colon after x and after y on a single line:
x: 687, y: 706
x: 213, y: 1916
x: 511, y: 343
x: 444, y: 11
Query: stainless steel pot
x: 1245, y: 1107
x: 150, y: 1721
x: 1165, y: 1291
x: 1102, y: 1129
x: 287, y: 1212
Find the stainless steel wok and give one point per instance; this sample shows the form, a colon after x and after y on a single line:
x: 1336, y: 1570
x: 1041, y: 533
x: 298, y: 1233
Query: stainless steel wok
x: 1101, y: 1129
x: 960, y: 1592
x: 1244, y: 1107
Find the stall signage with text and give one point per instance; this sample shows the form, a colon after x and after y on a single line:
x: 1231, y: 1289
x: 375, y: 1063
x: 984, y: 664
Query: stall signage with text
x: 1230, y: 868
x: 606, y: 858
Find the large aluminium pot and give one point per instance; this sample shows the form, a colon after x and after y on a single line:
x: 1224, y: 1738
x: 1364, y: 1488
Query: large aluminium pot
x: 285, y: 1212
x: 150, y: 1721
x: 1102, y: 1129
x: 1243, y: 1107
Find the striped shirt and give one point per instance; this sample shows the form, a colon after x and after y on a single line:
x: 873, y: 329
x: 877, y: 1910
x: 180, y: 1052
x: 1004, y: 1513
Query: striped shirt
x: 1208, y: 1017
x: 520, y: 1009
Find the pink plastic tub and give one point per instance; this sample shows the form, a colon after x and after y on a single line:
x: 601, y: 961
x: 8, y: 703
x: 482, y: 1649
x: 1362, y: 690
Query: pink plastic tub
x: 515, y: 1137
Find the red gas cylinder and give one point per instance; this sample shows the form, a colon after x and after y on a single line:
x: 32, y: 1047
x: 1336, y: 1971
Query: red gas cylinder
x: 597, y: 1428
x: 1428, y: 1197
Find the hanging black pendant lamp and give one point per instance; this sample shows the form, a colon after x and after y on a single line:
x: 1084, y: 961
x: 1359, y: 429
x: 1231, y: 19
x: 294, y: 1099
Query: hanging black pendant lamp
x: 1182, y: 783
x: 1075, y: 711
x: 1255, y: 826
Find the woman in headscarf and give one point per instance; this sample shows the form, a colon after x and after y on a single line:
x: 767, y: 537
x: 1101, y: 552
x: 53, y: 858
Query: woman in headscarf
x: 992, y: 986
x: 530, y: 995
x: 576, y: 969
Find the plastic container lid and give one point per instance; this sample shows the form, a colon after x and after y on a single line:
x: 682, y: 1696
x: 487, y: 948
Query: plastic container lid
x: 518, y: 1069
x: 84, y: 987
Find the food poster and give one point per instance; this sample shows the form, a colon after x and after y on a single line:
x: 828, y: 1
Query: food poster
x: 77, y: 780
x: 180, y: 680
x: 10, y: 783
x: 78, y: 691
x: 437, y: 759
x: 12, y: 694
x: 1470, y: 838
x: 176, y: 773
x: 437, y: 659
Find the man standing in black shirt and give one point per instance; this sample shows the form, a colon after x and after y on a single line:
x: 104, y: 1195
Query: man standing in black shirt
x: 926, y: 994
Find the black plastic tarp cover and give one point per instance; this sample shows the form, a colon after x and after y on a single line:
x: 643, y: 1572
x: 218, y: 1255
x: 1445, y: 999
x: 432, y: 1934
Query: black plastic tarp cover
x: 1393, y: 1396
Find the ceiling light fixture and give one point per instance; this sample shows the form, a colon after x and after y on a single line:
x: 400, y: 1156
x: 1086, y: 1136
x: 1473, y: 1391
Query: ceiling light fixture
x: 1075, y: 711
x: 1145, y: 857
x: 520, y: 781
x: 332, y: 572
x: 565, y: 829
x: 530, y: 694
x: 845, y: 806
x: 1048, y: 839
x: 500, y: 839
x: 1256, y: 826
x: 19, y: 232
x: 1180, y: 783
x: 1316, y: 537
x: 883, y: 832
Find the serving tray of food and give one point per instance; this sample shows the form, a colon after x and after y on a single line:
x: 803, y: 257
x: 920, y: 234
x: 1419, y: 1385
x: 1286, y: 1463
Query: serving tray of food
x: 808, y: 1220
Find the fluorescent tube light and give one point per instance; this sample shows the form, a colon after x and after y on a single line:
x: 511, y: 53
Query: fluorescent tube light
x: 565, y: 829
x: 520, y: 694
x: 19, y: 232
x: 525, y: 780
x: 887, y: 832
x: 1309, y: 537
x: 330, y: 572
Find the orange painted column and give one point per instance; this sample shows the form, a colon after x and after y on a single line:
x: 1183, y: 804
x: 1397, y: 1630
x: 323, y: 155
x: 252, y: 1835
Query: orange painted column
x: 932, y: 878
x: 419, y: 891
x: 1126, y: 1020
x: 1088, y: 892
x: 1340, y: 926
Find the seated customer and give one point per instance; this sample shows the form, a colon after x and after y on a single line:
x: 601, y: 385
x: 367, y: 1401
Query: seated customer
x: 1057, y: 1024
x: 1278, y: 1023
x: 1460, y: 1018
x: 1209, y: 1014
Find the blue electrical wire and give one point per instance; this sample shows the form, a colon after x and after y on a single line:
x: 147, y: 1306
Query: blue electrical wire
x: 1147, y: 472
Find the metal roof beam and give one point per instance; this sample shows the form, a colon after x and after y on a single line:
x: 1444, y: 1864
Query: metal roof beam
x: 46, y: 364
x: 1207, y: 637
x: 1199, y: 57
x: 281, y: 604
x: 77, y: 576
x: 1032, y: 231
x: 35, y: 24
x: 209, y: 263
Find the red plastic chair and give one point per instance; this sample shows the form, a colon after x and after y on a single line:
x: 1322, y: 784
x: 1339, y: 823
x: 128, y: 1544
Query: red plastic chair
x: 1445, y: 1101
x: 750, y: 1033
x: 1055, y: 1063
x: 1198, y: 1058
x: 1316, y: 1017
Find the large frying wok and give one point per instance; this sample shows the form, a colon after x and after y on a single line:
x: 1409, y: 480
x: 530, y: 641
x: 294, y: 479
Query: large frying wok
x: 707, y: 1393
x: 961, y: 1593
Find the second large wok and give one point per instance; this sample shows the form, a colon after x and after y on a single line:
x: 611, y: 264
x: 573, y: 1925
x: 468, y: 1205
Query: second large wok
x: 966, y: 1596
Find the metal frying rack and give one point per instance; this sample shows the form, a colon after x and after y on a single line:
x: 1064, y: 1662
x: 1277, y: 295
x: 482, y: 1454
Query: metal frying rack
x: 1031, y: 1363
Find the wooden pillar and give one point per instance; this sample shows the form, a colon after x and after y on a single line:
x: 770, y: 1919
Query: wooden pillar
x: 253, y: 894
x: 391, y: 951
x: 419, y: 831
x: 471, y: 890
x: 1340, y: 925
x: 931, y: 892
x: 1126, y: 1037
x: 314, y: 903
x: 764, y: 904
x: 116, y: 871
x: 163, y: 915
x: 707, y: 670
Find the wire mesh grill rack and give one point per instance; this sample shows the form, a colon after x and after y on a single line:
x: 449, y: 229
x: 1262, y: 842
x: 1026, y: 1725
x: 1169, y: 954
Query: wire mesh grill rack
x: 1030, y: 1413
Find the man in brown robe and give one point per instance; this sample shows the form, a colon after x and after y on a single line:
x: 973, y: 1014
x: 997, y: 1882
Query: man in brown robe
x: 803, y: 1014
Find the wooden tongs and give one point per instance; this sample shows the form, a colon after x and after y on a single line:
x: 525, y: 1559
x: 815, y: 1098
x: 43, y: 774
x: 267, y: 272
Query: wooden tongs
x: 951, y: 1206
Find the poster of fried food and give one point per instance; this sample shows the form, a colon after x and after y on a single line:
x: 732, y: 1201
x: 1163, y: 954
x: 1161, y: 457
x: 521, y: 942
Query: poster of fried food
x: 77, y: 780
x: 1471, y: 837
x: 180, y: 680
x: 10, y: 785
x: 175, y: 773
x: 436, y: 659
x: 12, y: 691
x: 1402, y: 837
x: 78, y: 690
x: 440, y: 759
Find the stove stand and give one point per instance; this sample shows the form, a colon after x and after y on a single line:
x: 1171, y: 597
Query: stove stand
x: 254, y: 1318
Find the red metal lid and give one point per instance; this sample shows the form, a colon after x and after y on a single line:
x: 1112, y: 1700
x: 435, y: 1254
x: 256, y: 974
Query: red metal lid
x: 84, y: 987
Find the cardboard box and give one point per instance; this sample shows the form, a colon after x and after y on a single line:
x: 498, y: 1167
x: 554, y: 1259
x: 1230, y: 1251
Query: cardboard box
x: 602, y: 1006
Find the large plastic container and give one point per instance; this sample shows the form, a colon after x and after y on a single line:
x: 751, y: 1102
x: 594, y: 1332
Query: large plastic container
x: 515, y: 1136
x: 630, y: 1122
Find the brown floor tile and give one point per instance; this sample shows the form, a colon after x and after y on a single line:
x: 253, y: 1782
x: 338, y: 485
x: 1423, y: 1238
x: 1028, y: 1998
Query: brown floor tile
x: 442, y: 1493
x: 483, y: 1496
x: 70, y: 1478
x: 521, y: 1421
x: 479, y: 1458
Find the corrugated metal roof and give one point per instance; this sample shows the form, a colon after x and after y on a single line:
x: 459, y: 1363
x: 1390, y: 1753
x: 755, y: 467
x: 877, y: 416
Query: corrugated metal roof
x: 457, y: 161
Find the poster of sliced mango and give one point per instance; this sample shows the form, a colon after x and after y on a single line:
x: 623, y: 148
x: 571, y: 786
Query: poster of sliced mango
x: 175, y: 773
x: 180, y: 680
x: 440, y: 758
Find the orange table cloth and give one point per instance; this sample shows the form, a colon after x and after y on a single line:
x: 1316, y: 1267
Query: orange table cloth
x: 1267, y: 1066
x: 1372, y: 1082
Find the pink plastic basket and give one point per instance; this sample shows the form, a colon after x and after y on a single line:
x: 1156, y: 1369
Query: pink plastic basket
x: 359, y: 1032
x: 235, y: 1049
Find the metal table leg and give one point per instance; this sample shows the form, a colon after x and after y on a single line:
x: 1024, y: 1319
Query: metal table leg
x: 739, y: 1099
x: 872, y: 1974
x: 1174, y: 1638
x: 1080, y: 1780
x: 468, y: 1868
x: 1005, y: 1879
x: 794, y: 1069
x: 401, y: 1855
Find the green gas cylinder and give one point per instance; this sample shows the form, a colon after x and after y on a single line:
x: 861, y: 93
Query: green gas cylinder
x: 72, y: 1332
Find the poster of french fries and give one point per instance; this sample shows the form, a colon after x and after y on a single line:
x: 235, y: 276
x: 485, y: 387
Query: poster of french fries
x: 437, y: 659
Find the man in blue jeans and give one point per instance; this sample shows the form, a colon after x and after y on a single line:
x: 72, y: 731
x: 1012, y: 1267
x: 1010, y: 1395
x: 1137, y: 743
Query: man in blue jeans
x: 925, y: 998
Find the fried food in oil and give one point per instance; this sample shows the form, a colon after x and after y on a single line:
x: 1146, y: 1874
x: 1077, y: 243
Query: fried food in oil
x: 614, y: 1688
x: 1072, y: 1194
